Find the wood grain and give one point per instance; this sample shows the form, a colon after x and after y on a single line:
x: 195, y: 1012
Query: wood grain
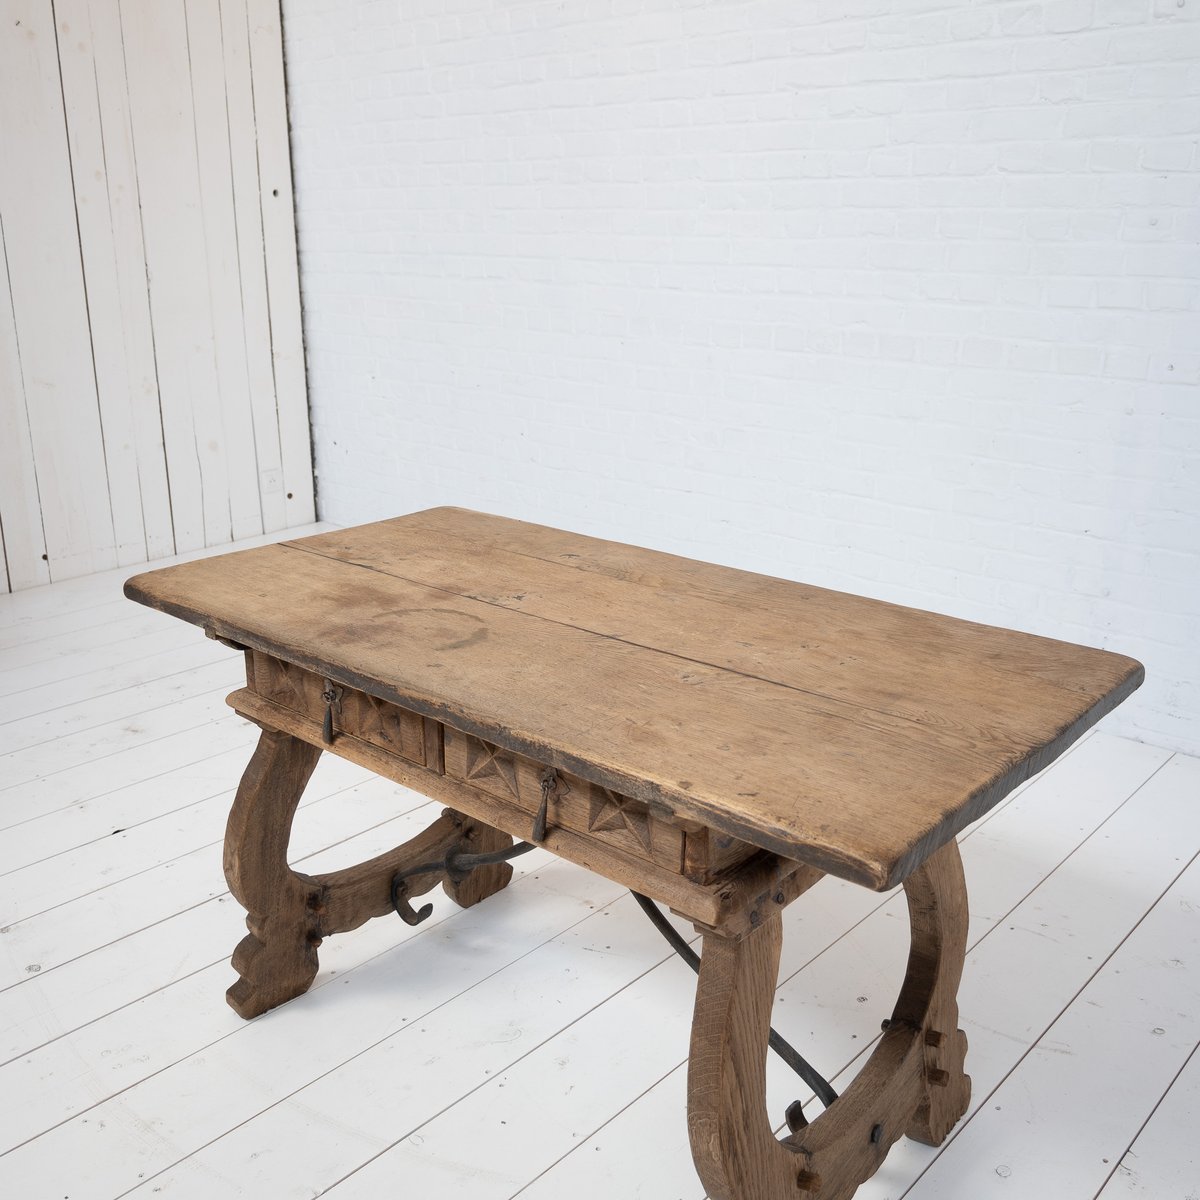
x: 290, y: 913
x: 726, y: 904
x: 913, y: 1082
x: 850, y: 734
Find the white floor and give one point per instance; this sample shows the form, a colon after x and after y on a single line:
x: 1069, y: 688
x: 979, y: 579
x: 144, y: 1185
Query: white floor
x: 532, y: 1046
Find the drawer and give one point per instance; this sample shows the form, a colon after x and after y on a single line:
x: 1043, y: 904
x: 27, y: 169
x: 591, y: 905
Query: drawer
x: 583, y: 807
x: 575, y: 804
x: 356, y: 713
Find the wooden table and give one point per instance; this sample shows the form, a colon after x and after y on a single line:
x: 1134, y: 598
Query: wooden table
x: 713, y: 739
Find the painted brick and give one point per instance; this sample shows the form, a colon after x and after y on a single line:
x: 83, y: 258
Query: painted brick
x: 898, y: 296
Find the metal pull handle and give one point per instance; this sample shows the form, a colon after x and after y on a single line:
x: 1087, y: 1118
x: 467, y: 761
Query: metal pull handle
x: 332, y: 695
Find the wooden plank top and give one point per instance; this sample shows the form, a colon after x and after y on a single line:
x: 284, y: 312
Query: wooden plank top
x: 845, y: 732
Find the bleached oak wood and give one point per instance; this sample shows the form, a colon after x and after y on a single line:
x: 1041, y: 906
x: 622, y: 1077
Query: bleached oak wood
x: 913, y: 1083
x: 797, y: 770
x: 637, y: 1149
x: 724, y: 904
x: 1073, y: 1064
x: 87, y: 598
x: 290, y: 914
x: 467, y: 731
x: 283, y: 1142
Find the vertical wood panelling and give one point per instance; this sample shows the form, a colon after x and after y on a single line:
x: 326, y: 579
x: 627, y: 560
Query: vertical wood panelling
x: 20, y: 516
x: 50, y: 309
x: 152, y: 391
x: 164, y: 139
x: 110, y: 240
x: 256, y: 317
x: 211, y: 120
x: 279, y: 239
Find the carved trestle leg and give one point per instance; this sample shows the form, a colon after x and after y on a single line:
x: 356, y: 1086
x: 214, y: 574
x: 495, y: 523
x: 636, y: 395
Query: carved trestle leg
x: 288, y: 913
x: 912, y: 1084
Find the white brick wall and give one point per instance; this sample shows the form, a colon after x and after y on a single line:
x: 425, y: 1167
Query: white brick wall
x: 897, y: 296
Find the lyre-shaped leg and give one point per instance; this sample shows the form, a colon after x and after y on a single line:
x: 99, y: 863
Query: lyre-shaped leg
x: 277, y: 959
x: 913, y: 1082
x: 288, y: 913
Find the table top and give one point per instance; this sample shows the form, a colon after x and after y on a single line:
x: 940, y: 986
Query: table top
x: 849, y: 733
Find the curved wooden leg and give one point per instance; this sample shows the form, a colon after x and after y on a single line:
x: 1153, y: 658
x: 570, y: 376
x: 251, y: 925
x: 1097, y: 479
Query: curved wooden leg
x: 913, y: 1082
x: 277, y: 959
x: 289, y: 913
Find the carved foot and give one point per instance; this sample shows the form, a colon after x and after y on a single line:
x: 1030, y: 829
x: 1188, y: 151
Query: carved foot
x: 290, y: 913
x: 276, y: 962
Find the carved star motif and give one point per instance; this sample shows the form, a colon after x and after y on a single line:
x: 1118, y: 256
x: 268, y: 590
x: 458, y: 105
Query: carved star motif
x: 385, y: 718
x: 489, y: 762
x: 284, y: 687
x: 609, y: 812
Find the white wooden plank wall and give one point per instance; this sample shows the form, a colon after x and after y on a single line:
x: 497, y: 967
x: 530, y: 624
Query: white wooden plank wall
x: 532, y: 1046
x: 152, y: 392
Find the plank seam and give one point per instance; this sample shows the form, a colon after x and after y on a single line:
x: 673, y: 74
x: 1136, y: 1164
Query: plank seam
x: 866, y: 1050
x: 204, y: 846
x: 450, y: 914
x: 1149, y: 1117
x: 37, y: 486
x: 129, y: 783
x: 137, y: 179
x: 83, y: 279
x: 1057, y: 1017
x: 612, y: 637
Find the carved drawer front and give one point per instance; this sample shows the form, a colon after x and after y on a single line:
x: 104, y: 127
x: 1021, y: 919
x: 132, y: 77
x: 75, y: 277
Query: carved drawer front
x: 355, y: 713
x: 575, y: 804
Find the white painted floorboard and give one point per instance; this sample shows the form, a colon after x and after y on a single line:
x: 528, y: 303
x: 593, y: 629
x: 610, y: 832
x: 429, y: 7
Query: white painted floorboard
x: 533, y: 1046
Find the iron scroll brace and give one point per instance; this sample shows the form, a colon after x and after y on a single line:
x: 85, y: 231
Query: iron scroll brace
x: 458, y: 864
